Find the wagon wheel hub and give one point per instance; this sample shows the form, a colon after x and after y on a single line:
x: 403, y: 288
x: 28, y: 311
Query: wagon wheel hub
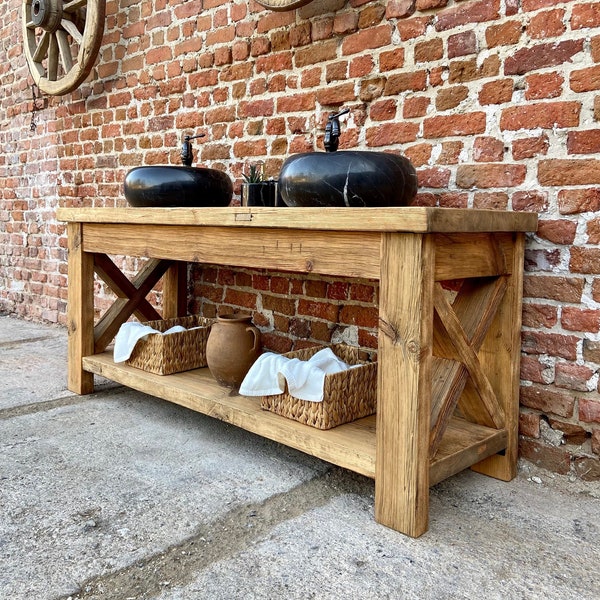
x: 47, y: 14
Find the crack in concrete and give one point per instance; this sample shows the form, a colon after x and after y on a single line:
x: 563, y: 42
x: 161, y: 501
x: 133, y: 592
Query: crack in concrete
x: 218, y: 540
x: 16, y: 343
x: 36, y: 407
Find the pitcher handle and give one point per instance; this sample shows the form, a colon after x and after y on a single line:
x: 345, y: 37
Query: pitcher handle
x: 256, y: 333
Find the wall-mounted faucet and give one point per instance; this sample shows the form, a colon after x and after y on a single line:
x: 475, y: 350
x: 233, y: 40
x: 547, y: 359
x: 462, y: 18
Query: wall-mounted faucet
x: 332, y: 131
x: 187, y: 154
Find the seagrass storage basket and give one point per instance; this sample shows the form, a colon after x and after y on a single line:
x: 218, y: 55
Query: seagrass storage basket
x: 176, y: 352
x: 347, y: 395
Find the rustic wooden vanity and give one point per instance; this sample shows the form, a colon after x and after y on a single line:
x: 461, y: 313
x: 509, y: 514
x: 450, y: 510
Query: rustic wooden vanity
x: 448, y: 374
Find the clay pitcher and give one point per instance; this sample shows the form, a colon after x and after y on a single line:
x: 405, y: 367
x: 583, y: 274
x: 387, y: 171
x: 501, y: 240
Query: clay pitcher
x: 232, y: 347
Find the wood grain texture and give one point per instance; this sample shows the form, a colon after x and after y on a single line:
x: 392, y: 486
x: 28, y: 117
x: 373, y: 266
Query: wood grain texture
x: 80, y: 311
x: 132, y: 297
x: 500, y: 356
x: 322, y: 252
x: 467, y: 355
x: 417, y: 219
x: 45, y: 54
x: 474, y: 308
x: 174, y: 298
x: 449, y: 378
x: 464, y: 444
x: 404, y: 382
x: 351, y: 446
x: 459, y: 256
x: 123, y: 288
x: 395, y: 446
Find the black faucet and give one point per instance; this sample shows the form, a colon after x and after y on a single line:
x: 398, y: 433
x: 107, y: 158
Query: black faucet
x: 332, y: 131
x: 187, y: 154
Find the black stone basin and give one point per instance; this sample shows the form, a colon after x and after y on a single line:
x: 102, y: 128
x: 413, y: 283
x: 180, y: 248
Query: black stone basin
x: 352, y: 178
x: 164, y: 185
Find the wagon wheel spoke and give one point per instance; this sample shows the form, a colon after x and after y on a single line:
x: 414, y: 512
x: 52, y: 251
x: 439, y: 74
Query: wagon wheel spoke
x: 52, y: 59
x: 41, y: 51
x: 61, y: 41
x: 71, y: 28
x: 65, y: 50
x: 72, y: 6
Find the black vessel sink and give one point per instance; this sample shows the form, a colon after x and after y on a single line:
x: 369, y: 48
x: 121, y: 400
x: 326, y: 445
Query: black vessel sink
x: 164, y: 185
x: 352, y: 178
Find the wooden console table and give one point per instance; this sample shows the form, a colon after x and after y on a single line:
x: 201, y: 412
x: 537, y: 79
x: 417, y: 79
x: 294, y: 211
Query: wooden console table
x: 448, y: 375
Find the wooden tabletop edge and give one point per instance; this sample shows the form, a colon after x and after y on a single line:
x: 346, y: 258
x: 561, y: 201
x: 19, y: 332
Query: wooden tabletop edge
x: 417, y: 219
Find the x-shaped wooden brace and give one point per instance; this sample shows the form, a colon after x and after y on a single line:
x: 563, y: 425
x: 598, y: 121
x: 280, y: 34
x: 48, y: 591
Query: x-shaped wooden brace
x: 458, y: 378
x: 131, y: 296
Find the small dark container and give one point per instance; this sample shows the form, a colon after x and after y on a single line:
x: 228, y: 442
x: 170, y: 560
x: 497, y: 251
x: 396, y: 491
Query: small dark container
x: 264, y: 193
x: 165, y: 185
x: 351, y: 178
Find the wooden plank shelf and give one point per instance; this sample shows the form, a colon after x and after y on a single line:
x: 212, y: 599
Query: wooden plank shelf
x: 351, y: 446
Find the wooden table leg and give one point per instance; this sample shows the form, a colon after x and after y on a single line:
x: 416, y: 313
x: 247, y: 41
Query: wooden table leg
x: 80, y: 311
x: 501, y: 358
x: 404, y: 382
x: 175, y: 291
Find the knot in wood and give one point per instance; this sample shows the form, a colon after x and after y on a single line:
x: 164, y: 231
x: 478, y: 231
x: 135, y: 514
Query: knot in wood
x: 413, y: 347
x: 71, y: 327
x: 389, y: 330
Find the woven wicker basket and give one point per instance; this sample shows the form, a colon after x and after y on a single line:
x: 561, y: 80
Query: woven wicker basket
x: 173, y: 353
x: 347, y: 395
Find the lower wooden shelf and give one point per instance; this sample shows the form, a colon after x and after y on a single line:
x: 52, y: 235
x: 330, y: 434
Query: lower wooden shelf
x: 351, y: 446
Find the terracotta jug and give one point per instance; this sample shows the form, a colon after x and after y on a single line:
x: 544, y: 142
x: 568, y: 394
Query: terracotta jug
x: 232, y: 347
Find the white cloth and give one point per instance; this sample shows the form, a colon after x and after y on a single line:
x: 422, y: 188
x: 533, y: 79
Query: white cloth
x: 263, y: 377
x: 130, y: 333
x: 305, y: 378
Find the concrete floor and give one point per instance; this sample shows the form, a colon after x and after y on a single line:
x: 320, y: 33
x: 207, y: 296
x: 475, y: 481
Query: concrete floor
x: 118, y: 495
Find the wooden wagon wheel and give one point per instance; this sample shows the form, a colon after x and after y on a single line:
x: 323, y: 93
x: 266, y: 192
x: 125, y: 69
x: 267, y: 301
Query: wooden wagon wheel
x: 281, y: 5
x: 61, y: 40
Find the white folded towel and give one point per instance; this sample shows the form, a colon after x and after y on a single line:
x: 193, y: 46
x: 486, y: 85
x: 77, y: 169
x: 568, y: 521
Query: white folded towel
x: 130, y: 333
x: 263, y: 377
x: 305, y: 378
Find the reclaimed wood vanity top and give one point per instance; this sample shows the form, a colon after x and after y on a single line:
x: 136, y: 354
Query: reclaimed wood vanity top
x: 415, y: 219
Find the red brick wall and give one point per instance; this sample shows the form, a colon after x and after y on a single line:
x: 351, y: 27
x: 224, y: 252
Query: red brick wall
x: 496, y: 102
x: 292, y: 310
